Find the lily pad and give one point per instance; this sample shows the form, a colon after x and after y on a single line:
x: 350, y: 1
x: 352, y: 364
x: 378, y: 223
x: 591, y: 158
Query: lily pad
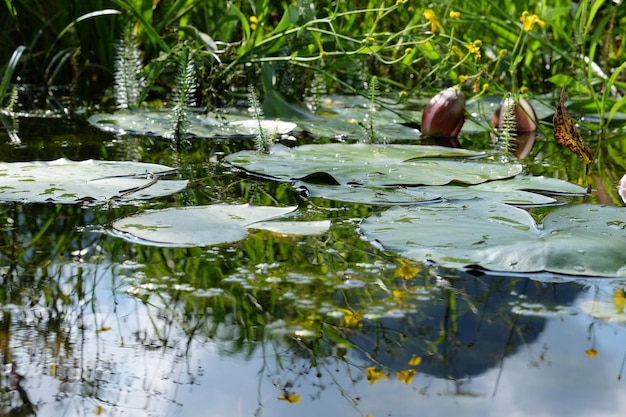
x: 372, y: 165
x: 584, y: 240
x: 159, y: 123
x: 66, y: 181
x: 209, y: 225
x: 510, y: 191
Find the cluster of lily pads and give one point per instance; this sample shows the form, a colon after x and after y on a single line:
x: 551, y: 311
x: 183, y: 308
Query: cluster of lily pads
x: 453, y: 206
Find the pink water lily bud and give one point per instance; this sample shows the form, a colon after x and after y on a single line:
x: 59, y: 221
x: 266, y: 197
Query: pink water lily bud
x: 621, y: 188
x: 525, y: 116
x: 445, y: 114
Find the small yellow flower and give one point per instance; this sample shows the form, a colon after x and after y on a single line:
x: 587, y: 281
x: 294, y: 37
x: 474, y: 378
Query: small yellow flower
x: 528, y: 21
x: 373, y: 374
x: 406, y: 376
x: 290, y: 397
x: 485, y: 87
x: 350, y: 318
x: 415, y: 360
x: 592, y: 353
x: 407, y: 51
x: 463, y: 78
x: 454, y: 15
x: 406, y: 270
x: 435, y: 26
x: 474, y: 47
x: 523, y: 90
x: 254, y: 21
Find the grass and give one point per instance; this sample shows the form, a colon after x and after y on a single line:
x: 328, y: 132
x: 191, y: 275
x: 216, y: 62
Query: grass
x: 412, y: 48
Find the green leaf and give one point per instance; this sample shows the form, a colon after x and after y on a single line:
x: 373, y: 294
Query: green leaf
x: 70, y: 182
x: 209, y: 225
x: 371, y: 165
x: 585, y: 240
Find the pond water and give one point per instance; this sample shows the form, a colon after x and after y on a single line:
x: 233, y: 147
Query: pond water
x: 275, y: 325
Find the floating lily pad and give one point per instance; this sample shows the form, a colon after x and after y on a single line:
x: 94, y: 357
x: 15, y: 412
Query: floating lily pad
x: 209, y: 225
x: 159, y: 123
x: 583, y: 240
x: 372, y: 165
x: 65, y: 181
x: 510, y: 191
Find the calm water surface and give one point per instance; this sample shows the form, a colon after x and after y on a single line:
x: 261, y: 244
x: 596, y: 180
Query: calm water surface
x: 280, y: 326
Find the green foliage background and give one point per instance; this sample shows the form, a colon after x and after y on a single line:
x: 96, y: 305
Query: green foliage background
x: 303, y: 48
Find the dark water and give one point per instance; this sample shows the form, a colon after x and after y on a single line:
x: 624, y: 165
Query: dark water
x: 92, y: 324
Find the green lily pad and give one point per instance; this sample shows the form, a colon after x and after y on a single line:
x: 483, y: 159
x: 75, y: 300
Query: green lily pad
x: 65, y: 181
x: 368, y: 195
x: 510, y: 191
x: 159, y: 123
x: 209, y: 225
x: 585, y: 240
x: 372, y: 165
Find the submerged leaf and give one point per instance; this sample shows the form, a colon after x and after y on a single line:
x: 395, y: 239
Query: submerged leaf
x: 582, y: 240
x: 65, y: 181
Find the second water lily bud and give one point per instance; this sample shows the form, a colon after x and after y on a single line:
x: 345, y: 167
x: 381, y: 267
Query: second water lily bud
x: 445, y: 114
x: 524, y: 120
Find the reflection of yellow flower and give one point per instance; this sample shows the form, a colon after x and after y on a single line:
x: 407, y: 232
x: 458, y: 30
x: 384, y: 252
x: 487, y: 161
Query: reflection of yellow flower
x: 454, y: 15
x: 619, y: 300
x: 254, y: 21
x: 406, y: 270
x: 373, y: 374
x: 406, y: 376
x: 435, y: 26
x: 415, y: 360
x: 350, y: 318
x: 592, y: 353
x: 290, y: 397
x: 529, y: 20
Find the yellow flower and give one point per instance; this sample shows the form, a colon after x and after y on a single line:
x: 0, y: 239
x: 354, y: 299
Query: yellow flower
x: 350, y: 318
x: 528, y: 21
x: 463, y: 78
x: 406, y: 270
x: 592, y: 353
x: 415, y: 360
x: 435, y: 26
x: 406, y: 376
x: 290, y: 397
x: 474, y: 47
x: 454, y: 15
x: 373, y: 374
x: 254, y: 21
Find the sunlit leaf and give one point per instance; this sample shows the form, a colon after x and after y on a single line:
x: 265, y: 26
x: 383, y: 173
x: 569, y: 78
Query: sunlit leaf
x: 371, y: 165
x: 209, y: 225
x: 584, y: 240
x: 65, y: 181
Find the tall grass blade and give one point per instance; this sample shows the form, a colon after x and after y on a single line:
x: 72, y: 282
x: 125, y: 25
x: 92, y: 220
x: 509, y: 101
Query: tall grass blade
x: 8, y: 73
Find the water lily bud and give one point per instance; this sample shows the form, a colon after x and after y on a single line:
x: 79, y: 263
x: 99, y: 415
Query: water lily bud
x: 525, y: 117
x: 445, y: 114
x: 622, y: 188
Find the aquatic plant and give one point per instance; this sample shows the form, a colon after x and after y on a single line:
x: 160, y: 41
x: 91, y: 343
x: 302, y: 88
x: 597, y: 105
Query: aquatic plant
x: 263, y: 141
x: 129, y: 83
x: 184, y: 96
